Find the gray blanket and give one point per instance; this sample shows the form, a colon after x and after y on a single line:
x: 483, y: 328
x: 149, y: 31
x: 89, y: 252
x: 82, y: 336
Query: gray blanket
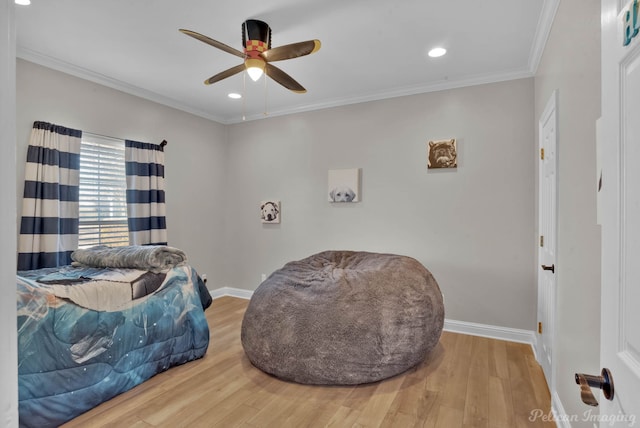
x: 154, y: 258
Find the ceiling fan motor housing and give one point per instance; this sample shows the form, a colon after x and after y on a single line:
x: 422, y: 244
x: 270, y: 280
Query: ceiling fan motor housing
x: 256, y: 37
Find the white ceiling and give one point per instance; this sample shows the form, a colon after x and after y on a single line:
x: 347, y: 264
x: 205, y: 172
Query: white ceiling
x: 371, y: 49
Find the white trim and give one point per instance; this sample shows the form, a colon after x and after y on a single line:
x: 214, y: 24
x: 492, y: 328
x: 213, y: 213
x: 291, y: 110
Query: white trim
x: 491, y: 331
x: 8, y: 213
x: 92, y: 76
x: 543, y: 29
x: 548, y: 303
x: 463, y: 327
x: 536, y: 346
x: 399, y: 92
x: 232, y: 292
x: 101, y: 79
x: 560, y: 417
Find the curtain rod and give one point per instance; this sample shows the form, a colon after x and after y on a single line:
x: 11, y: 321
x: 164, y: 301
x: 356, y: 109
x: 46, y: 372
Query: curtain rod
x: 162, y: 144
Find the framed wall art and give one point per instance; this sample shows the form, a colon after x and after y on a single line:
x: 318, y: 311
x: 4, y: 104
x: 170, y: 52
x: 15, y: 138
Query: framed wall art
x: 442, y: 154
x: 270, y: 211
x: 344, y: 185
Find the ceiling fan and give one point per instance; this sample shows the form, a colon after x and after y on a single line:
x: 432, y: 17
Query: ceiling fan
x: 258, y: 54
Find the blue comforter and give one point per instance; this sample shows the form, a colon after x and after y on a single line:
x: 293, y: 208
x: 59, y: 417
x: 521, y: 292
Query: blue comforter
x: 72, y: 358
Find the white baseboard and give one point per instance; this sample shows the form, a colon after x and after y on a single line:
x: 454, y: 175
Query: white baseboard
x: 490, y: 331
x: 559, y: 415
x: 473, y: 329
x: 232, y: 292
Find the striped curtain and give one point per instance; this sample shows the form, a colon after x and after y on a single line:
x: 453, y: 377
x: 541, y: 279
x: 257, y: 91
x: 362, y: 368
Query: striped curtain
x: 49, y: 224
x: 145, y: 193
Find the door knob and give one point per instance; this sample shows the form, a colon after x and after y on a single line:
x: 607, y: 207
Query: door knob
x: 603, y: 382
x: 552, y: 268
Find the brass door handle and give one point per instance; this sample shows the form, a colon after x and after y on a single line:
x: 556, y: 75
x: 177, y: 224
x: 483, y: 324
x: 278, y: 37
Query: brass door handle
x: 603, y: 382
x: 552, y: 268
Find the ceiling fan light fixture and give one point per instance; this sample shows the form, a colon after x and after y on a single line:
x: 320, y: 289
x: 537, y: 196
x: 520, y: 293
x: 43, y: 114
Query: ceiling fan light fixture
x: 258, y: 54
x: 255, y: 68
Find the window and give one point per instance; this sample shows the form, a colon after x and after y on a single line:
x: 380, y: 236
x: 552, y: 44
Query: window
x: 103, y: 192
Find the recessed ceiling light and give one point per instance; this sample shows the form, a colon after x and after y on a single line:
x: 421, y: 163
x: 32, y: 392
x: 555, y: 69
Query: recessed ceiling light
x: 436, y: 52
x: 234, y: 96
x: 23, y: 2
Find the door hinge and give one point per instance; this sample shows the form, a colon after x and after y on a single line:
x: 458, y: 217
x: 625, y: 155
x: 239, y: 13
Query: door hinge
x: 539, y: 328
x: 541, y: 240
x: 542, y: 153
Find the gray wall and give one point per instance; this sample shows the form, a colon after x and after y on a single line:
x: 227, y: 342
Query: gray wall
x: 571, y: 64
x: 195, y: 155
x: 472, y: 227
x: 8, y: 333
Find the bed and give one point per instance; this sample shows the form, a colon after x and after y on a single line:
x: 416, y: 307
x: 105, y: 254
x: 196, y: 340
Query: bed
x: 89, y: 332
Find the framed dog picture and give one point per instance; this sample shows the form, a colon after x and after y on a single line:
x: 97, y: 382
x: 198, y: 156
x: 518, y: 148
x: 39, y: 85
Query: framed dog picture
x: 270, y: 211
x: 344, y: 185
x: 442, y: 154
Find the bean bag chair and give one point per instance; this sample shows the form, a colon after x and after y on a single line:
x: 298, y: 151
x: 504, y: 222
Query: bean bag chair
x: 343, y: 318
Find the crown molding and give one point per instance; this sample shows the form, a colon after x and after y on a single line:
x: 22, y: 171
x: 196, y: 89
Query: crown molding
x: 543, y: 29
x: 101, y: 79
x: 401, y: 92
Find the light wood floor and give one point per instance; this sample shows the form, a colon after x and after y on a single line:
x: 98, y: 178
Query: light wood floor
x: 467, y: 382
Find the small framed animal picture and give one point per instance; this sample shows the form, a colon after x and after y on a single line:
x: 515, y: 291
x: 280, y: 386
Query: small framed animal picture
x: 442, y: 154
x: 270, y: 211
x: 344, y: 185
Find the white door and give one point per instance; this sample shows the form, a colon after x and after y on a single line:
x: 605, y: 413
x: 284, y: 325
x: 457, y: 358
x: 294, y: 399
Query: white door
x: 620, y: 312
x: 547, y: 235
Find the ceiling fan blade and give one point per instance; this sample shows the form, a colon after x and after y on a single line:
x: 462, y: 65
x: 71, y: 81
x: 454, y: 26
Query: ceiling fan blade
x: 284, y: 79
x: 224, y: 74
x: 214, y: 43
x: 293, y: 50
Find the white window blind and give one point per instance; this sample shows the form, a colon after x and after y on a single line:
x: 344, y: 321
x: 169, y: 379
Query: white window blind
x: 103, y: 192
